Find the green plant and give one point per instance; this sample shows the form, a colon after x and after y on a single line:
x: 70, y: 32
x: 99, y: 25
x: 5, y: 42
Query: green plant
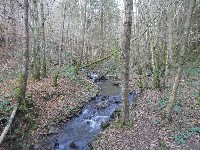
x: 88, y: 87
x: 177, y: 109
x: 129, y: 124
x: 181, y: 138
x: 22, y: 145
x: 4, y: 111
x: 139, y: 83
x: 120, y: 125
x: 4, y: 106
x: 55, y: 121
x: 71, y: 109
x: 163, y: 101
x: 195, y: 130
x: 155, y: 121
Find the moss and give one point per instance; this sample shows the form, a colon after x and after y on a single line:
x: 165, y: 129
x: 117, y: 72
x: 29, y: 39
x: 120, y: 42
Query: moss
x: 139, y: 83
x: 104, y: 125
x: 36, y: 75
x: 198, y: 97
x: 44, y: 69
x: 156, y: 79
x: 119, y: 124
x: 55, y: 121
x: 20, y: 92
x: 162, y: 145
x: 55, y: 79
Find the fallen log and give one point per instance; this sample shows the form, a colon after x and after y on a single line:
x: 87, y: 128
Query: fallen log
x: 8, y: 124
x: 100, y: 60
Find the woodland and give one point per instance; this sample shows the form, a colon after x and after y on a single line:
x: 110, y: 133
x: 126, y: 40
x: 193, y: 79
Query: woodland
x: 58, y: 56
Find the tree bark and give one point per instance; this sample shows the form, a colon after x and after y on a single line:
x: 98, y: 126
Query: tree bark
x: 62, y: 36
x: 128, y: 7
x: 44, y: 68
x: 169, y: 53
x: 83, y: 34
x: 24, y: 75
x: 101, y: 29
x: 36, y: 42
x: 26, y: 54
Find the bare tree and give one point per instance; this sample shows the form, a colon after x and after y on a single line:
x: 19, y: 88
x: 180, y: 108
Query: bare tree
x: 184, y: 46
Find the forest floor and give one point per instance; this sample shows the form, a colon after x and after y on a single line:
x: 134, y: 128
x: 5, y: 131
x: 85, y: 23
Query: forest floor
x: 47, y: 105
x: 146, y: 132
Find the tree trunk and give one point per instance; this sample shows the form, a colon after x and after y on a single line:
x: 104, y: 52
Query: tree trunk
x: 26, y: 54
x: 24, y: 76
x: 44, y: 67
x: 36, y: 42
x: 172, y: 98
x: 169, y: 53
x: 101, y: 30
x: 83, y: 35
x: 62, y: 36
x: 13, y: 22
x: 128, y: 7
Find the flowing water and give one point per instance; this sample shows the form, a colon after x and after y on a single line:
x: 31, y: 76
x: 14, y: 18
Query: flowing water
x: 80, y: 131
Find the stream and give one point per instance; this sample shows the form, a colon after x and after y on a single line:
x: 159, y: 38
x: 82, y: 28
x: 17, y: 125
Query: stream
x: 79, y: 133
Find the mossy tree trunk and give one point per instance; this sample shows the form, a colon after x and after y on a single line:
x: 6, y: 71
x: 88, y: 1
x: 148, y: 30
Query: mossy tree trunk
x: 153, y: 49
x: 156, y: 78
x: 24, y: 76
x: 128, y: 7
x: 55, y: 79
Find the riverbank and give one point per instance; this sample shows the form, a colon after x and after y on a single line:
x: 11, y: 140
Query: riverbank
x: 81, y: 131
x: 47, y: 106
x: 146, y: 131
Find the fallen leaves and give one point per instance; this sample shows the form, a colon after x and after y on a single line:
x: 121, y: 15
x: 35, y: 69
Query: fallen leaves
x: 51, y: 104
x: 147, y: 133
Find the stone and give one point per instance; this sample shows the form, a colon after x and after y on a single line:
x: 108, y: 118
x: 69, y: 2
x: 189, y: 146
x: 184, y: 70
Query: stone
x: 104, y: 125
x: 73, y: 145
x: 56, y: 145
x: 116, y: 101
x: 53, y: 130
x: 116, y: 84
x: 102, y: 105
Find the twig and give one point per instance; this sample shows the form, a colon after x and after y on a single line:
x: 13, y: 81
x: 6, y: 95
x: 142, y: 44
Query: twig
x: 9, y: 124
